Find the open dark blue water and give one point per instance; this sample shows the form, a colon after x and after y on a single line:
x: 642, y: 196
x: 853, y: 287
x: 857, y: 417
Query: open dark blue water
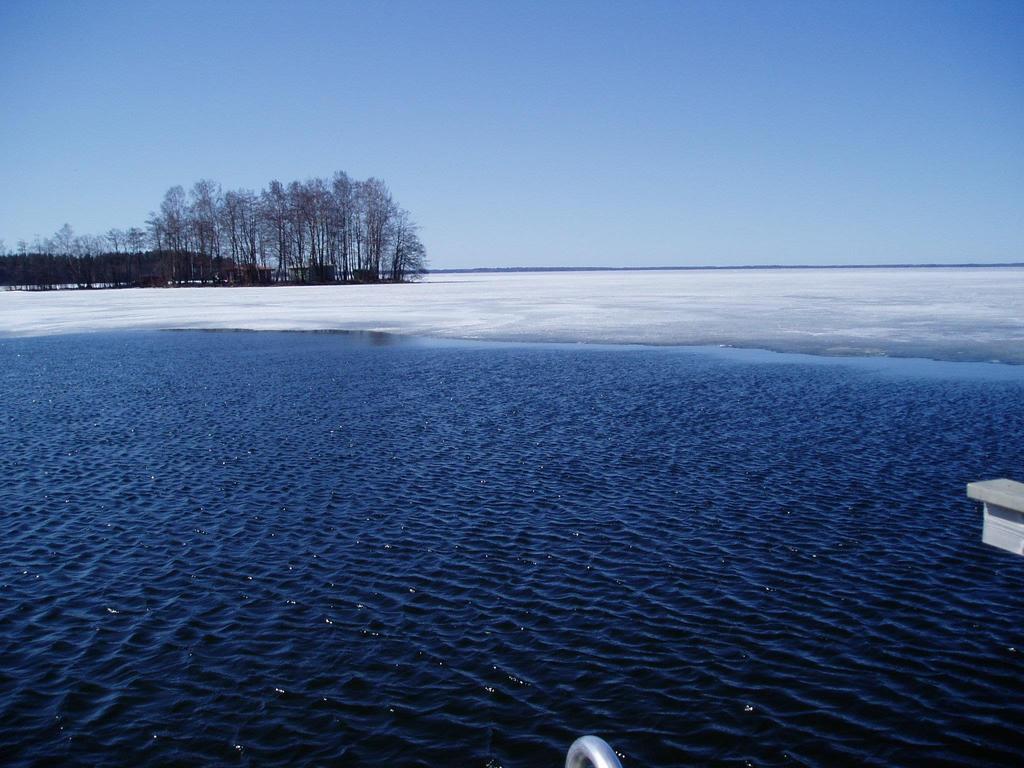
x: 290, y: 549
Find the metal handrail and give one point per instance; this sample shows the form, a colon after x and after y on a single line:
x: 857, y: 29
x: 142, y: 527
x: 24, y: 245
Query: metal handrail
x: 591, y: 750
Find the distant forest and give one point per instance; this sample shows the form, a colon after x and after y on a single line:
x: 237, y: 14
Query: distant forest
x: 336, y: 230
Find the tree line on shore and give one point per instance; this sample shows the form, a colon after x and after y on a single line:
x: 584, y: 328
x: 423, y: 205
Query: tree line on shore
x: 318, y: 231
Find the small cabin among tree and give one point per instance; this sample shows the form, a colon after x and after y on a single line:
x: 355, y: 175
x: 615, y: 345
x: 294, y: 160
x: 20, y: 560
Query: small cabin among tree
x: 245, y: 274
x: 312, y: 274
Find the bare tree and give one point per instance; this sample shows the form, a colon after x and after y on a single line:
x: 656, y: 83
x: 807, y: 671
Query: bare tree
x: 407, y: 255
x: 205, y: 201
x: 276, y: 222
x: 116, y: 239
x: 344, y: 207
x: 169, y: 228
x: 135, y: 242
x: 377, y: 211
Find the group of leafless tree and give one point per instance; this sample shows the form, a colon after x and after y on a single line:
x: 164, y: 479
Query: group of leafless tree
x: 318, y: 231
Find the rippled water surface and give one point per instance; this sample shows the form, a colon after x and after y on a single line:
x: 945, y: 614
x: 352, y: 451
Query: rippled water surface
x: 291, y: 549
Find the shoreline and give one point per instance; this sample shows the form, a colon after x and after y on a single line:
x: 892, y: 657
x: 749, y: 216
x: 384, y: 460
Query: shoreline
x: 425, y: 277
x: 724, y: 268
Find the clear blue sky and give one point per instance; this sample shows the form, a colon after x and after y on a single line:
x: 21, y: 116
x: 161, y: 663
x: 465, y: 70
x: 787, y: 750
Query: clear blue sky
x: 521, y: 133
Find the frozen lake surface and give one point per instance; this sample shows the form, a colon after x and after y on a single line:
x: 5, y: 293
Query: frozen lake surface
x: 954, y: 313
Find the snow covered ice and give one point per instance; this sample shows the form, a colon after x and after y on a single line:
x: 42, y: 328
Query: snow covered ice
x: 955, y: 313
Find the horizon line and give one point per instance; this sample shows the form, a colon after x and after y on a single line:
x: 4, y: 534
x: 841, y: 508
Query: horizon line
x: 678, y: 268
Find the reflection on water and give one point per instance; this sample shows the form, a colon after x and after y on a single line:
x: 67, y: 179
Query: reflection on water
x: 335, y: 549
